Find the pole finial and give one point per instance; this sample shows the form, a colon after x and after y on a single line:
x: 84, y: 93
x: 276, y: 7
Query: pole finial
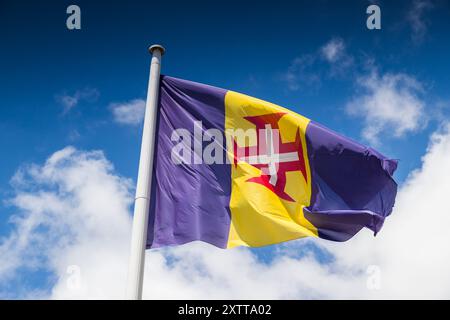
x: 156, y: 47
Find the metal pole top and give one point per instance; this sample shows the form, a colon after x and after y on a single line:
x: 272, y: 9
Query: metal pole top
x: 156, y: 47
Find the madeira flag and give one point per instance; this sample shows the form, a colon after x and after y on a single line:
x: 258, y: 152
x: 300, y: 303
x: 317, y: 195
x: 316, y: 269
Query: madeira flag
x: 233, y: 170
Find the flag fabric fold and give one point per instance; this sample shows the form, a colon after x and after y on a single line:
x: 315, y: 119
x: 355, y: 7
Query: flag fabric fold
x: 233, y: 170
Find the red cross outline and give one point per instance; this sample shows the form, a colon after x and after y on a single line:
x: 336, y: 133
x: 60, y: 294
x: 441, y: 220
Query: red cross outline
x: 273, y: 157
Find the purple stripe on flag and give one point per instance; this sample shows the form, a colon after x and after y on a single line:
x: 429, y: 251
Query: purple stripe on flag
x: 189, y: 201
x: 352, y: 185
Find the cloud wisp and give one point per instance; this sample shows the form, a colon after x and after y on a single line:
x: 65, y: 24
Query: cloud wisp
x: 333, y: 50
x: 129, y: 113
x: 300, y: 73
x: 70, y: 101
x: 417, y: 20
x: 307, y: 70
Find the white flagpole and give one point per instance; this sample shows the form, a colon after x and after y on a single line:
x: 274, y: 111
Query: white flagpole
x: 142, y: 200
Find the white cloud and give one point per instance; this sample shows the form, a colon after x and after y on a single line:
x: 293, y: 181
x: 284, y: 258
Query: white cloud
x: 333, y: 50
x: 129, y: 113
x: 70, y: 101
x: 411, y: 250
x: 74, y: 210
x: 203, y: 272
x: 389, y: 103
x: 415, y: 18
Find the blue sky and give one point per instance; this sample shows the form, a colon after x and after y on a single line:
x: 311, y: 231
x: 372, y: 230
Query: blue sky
x: 273, y: 51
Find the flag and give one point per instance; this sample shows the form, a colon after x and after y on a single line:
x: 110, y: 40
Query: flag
x: 233, y: 170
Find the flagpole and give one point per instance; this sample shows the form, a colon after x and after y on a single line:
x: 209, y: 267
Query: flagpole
x: 142, y: 200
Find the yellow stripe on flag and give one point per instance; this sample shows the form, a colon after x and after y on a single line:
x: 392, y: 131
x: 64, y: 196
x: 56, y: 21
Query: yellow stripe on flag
x: 259, y: 216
